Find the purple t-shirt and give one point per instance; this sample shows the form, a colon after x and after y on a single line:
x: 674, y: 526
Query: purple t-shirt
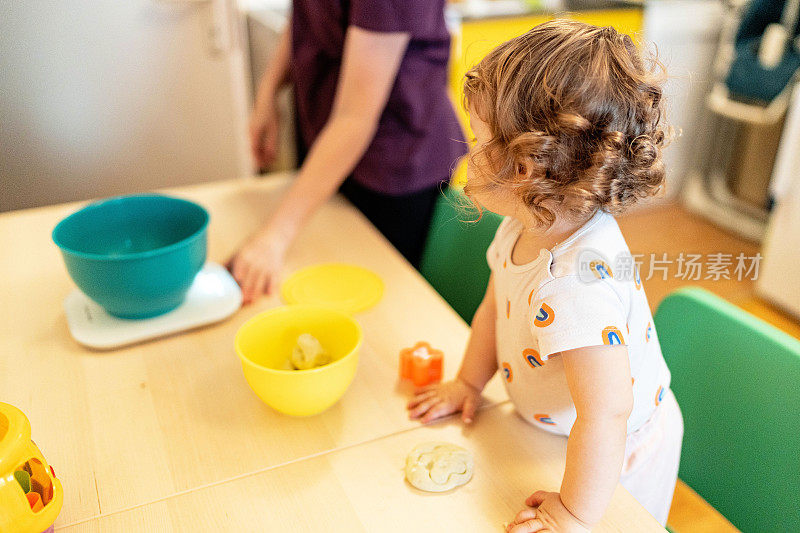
x: 418, y: 139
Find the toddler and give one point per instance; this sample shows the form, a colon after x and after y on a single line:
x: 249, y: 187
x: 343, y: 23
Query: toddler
x: 567, y: 134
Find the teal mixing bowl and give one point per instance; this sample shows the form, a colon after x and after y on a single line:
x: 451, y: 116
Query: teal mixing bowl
x: 136, y: 256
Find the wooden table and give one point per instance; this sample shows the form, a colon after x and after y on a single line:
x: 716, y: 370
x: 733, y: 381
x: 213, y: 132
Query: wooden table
x: 167, y: 435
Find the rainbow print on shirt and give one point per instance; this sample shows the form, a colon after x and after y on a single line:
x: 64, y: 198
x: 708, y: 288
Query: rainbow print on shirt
x: 600, y: 270
x: 544, y: 419
x: 648, y: 333
x: 544, y: 317
x: 534, y: 359
x: 508, y: 374
x: 659, y: 395
x: 612, y: 336
x: 637, y: 279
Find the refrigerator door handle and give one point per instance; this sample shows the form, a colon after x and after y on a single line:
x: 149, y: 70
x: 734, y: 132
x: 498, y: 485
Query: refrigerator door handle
x: 219, y: 30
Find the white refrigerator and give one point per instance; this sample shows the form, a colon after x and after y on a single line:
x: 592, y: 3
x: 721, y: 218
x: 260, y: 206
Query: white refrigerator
x: 104, y: 97
x: 779, y: 279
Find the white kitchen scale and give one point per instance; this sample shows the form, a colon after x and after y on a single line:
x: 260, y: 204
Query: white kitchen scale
x: 213, y: 296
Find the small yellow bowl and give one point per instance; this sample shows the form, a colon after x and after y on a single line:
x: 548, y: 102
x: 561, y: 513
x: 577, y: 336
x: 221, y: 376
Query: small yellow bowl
x: 265, y: 342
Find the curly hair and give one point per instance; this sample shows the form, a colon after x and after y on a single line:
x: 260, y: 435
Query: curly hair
x: 575, y: 115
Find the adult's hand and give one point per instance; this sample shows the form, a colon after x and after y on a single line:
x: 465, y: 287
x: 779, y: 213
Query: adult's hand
x: 264, y: 132
x: 256, y: 267
x: 265, y: 117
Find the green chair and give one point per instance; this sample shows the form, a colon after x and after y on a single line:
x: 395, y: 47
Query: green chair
x: 454, y: 259
x: 737, y: 380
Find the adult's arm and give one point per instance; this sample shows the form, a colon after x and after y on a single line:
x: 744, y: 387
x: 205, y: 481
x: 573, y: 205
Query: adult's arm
x: 369, y: 66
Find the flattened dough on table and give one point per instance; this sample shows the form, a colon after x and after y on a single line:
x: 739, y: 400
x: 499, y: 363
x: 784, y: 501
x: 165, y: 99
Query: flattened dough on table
x: 438, y: 466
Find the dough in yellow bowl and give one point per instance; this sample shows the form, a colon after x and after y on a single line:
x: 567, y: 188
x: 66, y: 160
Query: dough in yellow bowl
x: 309, y: 353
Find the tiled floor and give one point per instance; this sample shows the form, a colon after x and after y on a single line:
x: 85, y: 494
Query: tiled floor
x: 671, y: 229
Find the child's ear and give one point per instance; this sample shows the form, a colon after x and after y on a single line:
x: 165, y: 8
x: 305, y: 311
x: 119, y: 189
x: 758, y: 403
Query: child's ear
x: 524, y: 169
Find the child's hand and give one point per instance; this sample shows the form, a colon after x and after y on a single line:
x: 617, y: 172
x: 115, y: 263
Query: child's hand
x: 442, y: 399
x: 549, y: 514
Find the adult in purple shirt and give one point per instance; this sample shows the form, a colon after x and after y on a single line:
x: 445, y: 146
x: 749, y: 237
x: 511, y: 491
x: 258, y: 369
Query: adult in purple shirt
x: 370, y: 87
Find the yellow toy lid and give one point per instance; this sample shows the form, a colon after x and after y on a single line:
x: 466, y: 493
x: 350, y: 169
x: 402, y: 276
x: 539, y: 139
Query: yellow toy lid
x: 348, y: 288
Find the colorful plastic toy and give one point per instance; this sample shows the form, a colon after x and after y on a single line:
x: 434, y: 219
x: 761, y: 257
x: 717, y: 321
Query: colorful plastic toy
x: 30, y: 495
x: 422, y: 365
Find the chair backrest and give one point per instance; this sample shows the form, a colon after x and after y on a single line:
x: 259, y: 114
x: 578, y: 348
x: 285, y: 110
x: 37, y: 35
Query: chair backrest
x: 454, y: 259
x: 737, y: 380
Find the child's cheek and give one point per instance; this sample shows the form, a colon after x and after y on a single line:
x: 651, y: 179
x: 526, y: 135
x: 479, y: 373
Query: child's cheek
x: 474, y: 185
x: 470, y: 169
x: 476, y: 169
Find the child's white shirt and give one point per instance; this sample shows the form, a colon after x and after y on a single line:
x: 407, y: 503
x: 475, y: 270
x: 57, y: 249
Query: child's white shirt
x: 586, y: 291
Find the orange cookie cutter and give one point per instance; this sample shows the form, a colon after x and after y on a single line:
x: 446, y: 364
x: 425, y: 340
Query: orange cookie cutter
x: 421, y: 364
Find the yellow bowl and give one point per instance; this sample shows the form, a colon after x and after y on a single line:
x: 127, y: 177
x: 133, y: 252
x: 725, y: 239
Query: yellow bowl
x: 265, y: 342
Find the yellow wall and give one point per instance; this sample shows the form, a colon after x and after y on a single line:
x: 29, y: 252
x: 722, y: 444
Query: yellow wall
x: 478, y: 37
